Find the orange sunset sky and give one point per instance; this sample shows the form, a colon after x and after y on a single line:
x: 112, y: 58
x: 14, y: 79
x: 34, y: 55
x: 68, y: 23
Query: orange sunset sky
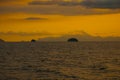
x: 23, y: 20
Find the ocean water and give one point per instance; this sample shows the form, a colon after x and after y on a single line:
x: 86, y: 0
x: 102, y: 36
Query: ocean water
x: 60, y: 61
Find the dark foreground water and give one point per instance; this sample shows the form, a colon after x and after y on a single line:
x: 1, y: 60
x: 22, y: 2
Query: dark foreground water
x: 60, y: 61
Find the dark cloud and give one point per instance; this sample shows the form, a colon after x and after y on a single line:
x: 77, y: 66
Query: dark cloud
x: 61, y: 7
x: 55, y: 2
x: 110, y: 4
x: 35, y: 18
x: 8, y: 0
x: 59, y: 10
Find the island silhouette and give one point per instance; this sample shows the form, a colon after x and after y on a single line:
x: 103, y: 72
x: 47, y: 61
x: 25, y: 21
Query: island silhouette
x: 33, y: 40
x: 72, y: 40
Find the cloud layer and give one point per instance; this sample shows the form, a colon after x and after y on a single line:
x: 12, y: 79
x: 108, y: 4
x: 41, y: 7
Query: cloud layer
x: 62, y: 7
x: 110, y: 4
x: 35, y: 18
x: 55, y: 2
x: 57, y: 10
x: 7, y: 0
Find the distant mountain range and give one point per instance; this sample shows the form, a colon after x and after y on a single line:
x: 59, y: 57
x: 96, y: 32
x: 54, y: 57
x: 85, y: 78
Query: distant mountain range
x: 81, y: 37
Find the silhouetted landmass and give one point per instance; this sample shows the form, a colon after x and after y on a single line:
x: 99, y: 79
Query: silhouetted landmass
x: 2, y: 40
x: 83, y: 36
x: 33, y: 40
x: 72, y: 40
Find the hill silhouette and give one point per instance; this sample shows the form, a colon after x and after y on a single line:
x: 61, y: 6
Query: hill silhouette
x: 1, y: 40
x: 72, y: 40
x: 82, y: 36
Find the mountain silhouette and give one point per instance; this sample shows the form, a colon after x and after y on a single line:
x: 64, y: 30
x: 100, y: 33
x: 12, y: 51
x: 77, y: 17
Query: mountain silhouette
x: 72, y: 40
